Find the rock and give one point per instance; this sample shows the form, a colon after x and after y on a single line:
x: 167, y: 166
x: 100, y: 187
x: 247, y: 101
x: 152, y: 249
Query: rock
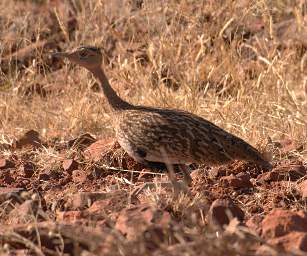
x: 82, y: 141
x: 222, y: 211
x: 96, y: 150
x: 291, y: 242
x: 111, y: 205
x: 44, y: 176
x: 79, y: 176
x: 5, y: 164
x: 27, y: 169
x: 303, y: 188
x: 281, y: 222
x: 69, y: 216
x: 290, y: 172
x: 98, y: 207
x: 143, y: 221
x: 29, y: 139
x: 84, y: 199
x: 70, y: 165
x: 217, y: 172
x: 10, y: 194
x: 241, y: 180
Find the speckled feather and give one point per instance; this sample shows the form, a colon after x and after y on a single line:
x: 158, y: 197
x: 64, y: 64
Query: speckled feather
x: 159, y: 135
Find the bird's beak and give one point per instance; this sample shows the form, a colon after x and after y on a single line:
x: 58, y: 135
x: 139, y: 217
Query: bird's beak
x: 60, y: 54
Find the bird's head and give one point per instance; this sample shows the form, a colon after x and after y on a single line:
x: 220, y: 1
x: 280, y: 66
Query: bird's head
x: 89, y: 57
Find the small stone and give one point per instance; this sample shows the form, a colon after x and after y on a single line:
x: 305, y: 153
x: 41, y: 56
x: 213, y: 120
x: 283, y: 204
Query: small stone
x: 113, y: 204
x: 44, y: 176
x: 79, y: 176
x: 29, y: 139
x: 280, y: 222
x: 291, y: 242
x: 70, y: 165
x: 69, y: 216
x: 5, y: 164
x: 96, y: 150
x: 85, y: 199
x: 290, y: 172
x: 239, y: 181
x: 222, y: 211
x: 140, y: 220
x: 217, y: 172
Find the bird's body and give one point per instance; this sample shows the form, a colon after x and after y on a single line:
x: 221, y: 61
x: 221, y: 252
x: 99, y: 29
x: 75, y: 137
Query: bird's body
x: 179, y: 137
x: 165, y: 135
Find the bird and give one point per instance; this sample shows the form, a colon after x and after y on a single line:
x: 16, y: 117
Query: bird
x: 153, y: 135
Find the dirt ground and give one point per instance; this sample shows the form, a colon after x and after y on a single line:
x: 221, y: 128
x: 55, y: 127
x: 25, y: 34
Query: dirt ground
x: 66, y: 186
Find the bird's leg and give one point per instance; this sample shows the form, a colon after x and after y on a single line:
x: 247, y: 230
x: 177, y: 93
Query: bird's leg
x: 177, y: 186
x: 186, y: 174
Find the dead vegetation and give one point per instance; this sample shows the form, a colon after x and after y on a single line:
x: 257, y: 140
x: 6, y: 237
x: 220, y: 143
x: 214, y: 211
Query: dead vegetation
x: 240, y: 64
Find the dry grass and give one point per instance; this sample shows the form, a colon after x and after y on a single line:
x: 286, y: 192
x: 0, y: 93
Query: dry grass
x: 239, y: 64
x: 253, y: 87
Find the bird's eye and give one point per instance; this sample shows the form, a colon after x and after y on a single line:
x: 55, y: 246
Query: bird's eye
x: 83, y: 54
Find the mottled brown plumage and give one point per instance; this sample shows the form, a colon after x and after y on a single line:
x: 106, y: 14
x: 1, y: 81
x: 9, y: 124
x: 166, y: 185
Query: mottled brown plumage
x: 165, y: 135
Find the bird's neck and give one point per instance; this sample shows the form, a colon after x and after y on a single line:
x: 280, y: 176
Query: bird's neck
x: 114, y: 100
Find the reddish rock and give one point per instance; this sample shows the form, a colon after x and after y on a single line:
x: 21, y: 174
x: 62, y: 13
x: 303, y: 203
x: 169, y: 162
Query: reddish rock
x: 70, y: 165
x: 241, y: 180
x: 99, y: 207
x: 280, y: 222
x: 84, y: 199
x: 4, y: 164
x: 29, y: 139
x: 96, y: 150
x: 69, y: 216
x: 44, y: 176
x: 222, y: 211
x: 79, y: 176
x: 291, y: 242
x: 217, y: 172
x: 303, y: 188
x: 113, y: 204
x: 143, y: 221
x: 291, y: 172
